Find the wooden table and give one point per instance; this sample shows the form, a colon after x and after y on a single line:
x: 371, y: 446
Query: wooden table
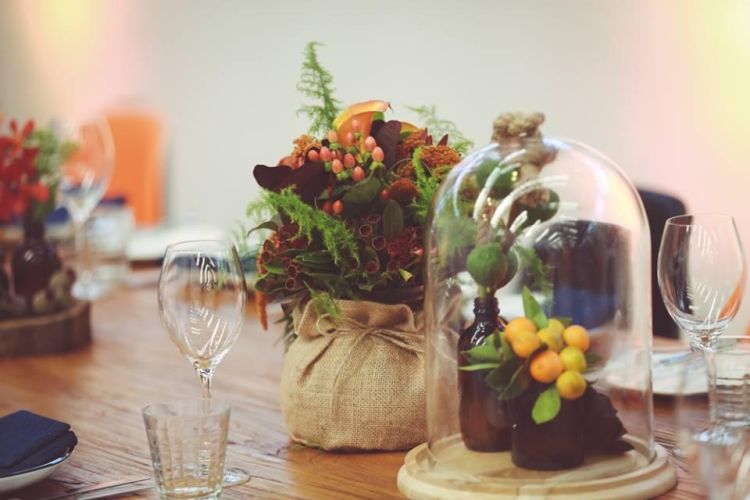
x: 101, y: 390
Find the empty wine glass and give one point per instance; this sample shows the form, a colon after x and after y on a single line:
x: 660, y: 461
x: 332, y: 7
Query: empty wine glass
x: 202, y: 299
x: 701, y: 274
x: 84, y: 177
x: 202, y: 302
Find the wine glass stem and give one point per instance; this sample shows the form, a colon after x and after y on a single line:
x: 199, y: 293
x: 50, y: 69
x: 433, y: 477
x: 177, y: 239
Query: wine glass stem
x: 206, y: 374
x: 81, y: 248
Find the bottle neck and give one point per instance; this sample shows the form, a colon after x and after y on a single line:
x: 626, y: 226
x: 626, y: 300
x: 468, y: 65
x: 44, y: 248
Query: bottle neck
x: 33, y: 229
x: 486, y: 308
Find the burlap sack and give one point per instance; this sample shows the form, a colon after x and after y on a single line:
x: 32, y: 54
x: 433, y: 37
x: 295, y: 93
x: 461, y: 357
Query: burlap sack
x: 356, y: 382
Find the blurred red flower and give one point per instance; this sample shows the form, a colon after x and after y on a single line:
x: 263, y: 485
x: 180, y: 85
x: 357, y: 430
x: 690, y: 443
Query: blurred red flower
x: 19, y: 179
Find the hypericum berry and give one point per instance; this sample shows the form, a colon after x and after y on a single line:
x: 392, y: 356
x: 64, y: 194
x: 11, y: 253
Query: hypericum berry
x: 384, y: 195
x: 337, y: 166
x: 349, y: 160
x: 328, y: 207
x: 333, y: 136
x: 377, y: 154
x: 313, y: 155
x: 325, y: 154
x: 349, y: 138
x: 370, y: 143
x: 355, y: 124
x: 358, y: 174
x: 338, y: 207
x: 337, y: 154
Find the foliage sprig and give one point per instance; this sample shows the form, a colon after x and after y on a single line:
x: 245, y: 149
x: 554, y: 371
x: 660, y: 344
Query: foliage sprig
x: 439, y: 127
x: 316, y: 82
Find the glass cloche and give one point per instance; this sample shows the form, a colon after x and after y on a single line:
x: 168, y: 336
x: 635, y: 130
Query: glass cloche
x: 538, y: 325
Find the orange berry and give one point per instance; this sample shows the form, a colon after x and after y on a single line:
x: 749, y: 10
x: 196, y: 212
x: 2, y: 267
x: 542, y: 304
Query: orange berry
x: 333, y: 136
x: 325, y: 154
x: 349, y: 160
x: 525, y: 344
x: 378, y: 154
x: 313, y: 155
x: 370, y: 143
x: 577, y: 336
x: 338, y: 207
x: 358, y: 174
x: 337, y: 167
x: 546, y: 367
x: 517, y: 325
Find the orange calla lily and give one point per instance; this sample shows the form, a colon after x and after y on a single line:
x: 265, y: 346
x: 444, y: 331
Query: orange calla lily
x: 364, y: 112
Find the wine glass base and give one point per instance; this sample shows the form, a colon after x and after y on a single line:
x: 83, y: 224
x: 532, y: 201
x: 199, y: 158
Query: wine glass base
x: 234, y: 476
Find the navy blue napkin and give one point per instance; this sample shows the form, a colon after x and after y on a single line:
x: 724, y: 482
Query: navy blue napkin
x: 28, y: 440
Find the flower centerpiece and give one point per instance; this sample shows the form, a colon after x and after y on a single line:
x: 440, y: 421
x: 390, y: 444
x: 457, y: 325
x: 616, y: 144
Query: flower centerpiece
x: 29, y: 160
x: 346, y: 211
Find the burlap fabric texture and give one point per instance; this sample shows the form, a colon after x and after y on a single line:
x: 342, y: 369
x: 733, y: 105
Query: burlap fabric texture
x: 356, y: 382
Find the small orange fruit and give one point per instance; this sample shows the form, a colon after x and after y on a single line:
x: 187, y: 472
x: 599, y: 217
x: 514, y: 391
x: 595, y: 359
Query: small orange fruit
x: 525, y: 343
x: 577, y: 336
x: 552, y: 338
x: 571, y: 385
x: 556, y: 325
x: 518, y: 325
x: 573, y: 359
x: 546, y: 367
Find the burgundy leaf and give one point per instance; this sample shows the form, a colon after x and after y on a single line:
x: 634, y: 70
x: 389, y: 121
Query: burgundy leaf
x: 388, y: 136
x: 308, y: 181
x: 270, y: 177
x: 443, y: 141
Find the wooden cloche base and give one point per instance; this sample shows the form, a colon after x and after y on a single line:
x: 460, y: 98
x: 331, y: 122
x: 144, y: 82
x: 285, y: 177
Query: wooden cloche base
x: 493, y: 476
x: 59, y: 332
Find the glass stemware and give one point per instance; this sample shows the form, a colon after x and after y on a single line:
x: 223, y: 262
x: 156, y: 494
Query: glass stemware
x: 701, y: 274
x: 202, y: 297
x: 202, y: 302
x: 84, y: 177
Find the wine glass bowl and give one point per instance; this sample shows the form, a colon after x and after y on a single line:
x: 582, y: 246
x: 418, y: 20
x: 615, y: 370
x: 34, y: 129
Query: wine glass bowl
x: 84, y: 177
x: 701, y: 274
x: 202, y: 301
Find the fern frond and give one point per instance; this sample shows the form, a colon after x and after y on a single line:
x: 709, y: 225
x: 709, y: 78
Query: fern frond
x: 427, y: 185
x: 316, y: 82
x: 335, y: 236
x: 438, y: 128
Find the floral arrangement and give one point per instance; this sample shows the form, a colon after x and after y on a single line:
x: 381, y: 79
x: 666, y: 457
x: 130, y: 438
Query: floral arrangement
x: 28, y: 170
x: 349, y: 203
x: 29, y: 177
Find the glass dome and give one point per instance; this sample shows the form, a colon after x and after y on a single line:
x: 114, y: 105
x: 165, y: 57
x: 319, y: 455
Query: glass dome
x: 538, y: 314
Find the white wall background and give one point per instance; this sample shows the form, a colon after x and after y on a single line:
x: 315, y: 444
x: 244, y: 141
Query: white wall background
x: 661, y: 87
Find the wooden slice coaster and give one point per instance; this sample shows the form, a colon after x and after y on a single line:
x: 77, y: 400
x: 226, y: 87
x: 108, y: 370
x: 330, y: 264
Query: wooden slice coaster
x: 460, y: 473
x: 59, y: 332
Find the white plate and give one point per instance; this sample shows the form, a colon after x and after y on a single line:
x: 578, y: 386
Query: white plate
x: 31, y: 476
x: 150, y: 243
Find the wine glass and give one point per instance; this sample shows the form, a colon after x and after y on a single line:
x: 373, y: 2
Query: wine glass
x: 202, y: 302
x: 701, y: 274
x: 84, y: 177
x: 202, y: 299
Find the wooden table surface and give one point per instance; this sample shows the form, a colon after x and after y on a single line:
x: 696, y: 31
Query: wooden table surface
x: 100, y: 391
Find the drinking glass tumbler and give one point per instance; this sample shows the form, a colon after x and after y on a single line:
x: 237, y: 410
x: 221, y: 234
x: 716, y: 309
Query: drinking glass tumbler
x: 188, y: 441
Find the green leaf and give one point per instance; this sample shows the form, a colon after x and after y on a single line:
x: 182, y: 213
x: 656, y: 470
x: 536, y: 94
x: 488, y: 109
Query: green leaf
x: 565, y: 320
x: 405, y: 275
x: 274, y: 269
x: 533, y: 310
x: 479, y: 366
x: 363, y: 192
x: 485, y: 352
x: 393, y: 219
x: 518, y: 383
x: 500, y: 377
x: 547, y: 406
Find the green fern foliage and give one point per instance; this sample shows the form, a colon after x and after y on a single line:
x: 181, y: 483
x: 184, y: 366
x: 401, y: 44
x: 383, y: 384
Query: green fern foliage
x: 438, y: 128
x: 427, y: 185
x: 316, y: 82
x: 336, y: 237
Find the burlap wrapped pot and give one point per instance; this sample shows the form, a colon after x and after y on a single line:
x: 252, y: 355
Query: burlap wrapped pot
x: 356, y: 382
